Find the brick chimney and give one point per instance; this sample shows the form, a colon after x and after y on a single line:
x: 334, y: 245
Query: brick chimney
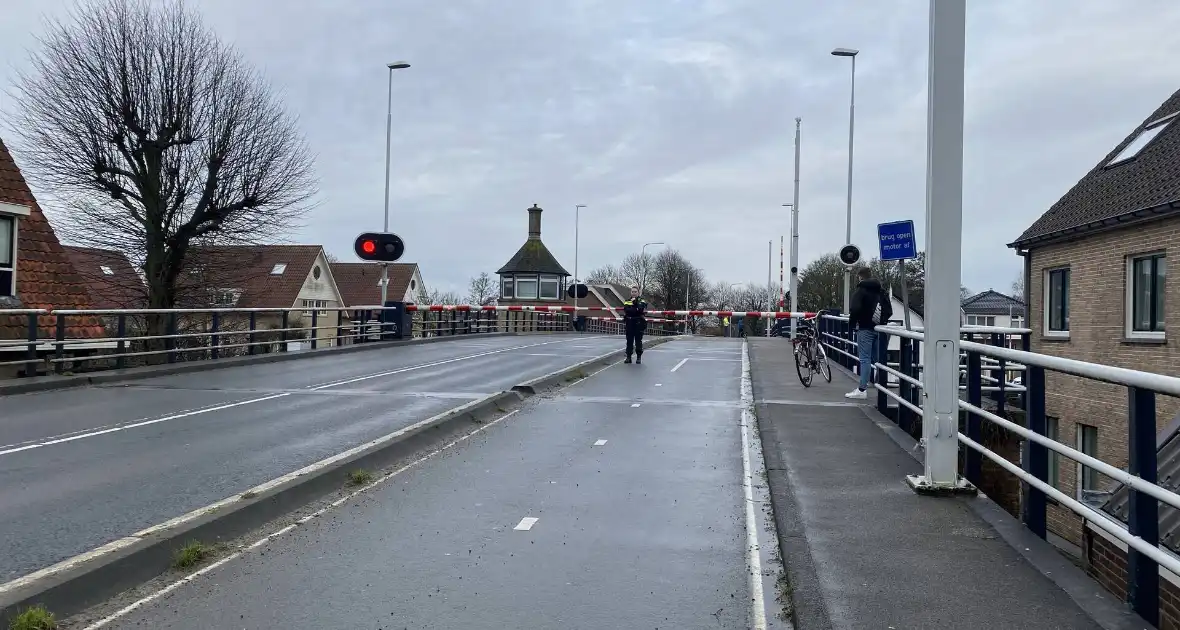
x: 535, y: 222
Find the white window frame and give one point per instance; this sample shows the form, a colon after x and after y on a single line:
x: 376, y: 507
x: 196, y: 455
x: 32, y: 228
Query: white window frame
x: 973, y: 320
x: 15, y: 212
x: 316, y: 305
x: 1047, y: 305
x: 279, y: 269
x: 1016, y: 321
x: 528, y: 280
x: 11, y: 223
x: 553, y: 280
x: 507, y: 287
x: 1080, y: 486
x: 1134, y: 148
x: 1129, y: 295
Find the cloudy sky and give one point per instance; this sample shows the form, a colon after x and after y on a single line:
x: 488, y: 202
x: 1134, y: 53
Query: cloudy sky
x: 673, y: 120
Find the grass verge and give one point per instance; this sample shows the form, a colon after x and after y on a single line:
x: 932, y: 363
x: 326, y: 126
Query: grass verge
x: 359, y: 477
x: 190, y: 555
x: 35, y: 618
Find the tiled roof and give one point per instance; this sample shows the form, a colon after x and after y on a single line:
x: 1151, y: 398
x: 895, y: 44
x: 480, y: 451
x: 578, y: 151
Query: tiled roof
x: 45, y: 278
x: 111, y: 278
x: 533, y: 257
x: 992, y: 303
x: 1146, y: 185
x: 249, y: 269
x: 1117, y: 504
x: 358, y: 281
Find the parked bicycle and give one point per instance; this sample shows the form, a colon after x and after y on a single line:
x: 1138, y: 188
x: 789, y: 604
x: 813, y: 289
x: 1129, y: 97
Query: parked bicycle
x: 810, y: 357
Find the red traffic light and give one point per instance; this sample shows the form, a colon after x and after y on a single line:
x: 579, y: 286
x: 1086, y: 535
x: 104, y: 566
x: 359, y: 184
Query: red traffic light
x: 379, y: 246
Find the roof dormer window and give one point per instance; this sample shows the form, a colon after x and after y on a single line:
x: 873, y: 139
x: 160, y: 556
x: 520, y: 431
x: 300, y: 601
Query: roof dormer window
x: 1141, y: 140
x: 106, y: 271
x: 279, y: 269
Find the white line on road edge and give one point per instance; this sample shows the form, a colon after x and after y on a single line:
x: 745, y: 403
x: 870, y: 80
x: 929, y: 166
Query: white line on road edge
x: 600, y: 443
x: 753, y: 561
x: 659, y: 384
x: 682, y: 362
x: 123, y: 612
x: 634, y: 404
x: 187, y: 414
x: 526, y: 523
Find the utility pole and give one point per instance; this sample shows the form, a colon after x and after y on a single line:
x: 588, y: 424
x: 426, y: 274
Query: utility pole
x: 769, y: 286
x: 795, y: 234
x: 397, y: 65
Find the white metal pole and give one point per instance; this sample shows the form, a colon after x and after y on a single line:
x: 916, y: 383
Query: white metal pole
x: 687, y: 284
x: 388, y: 135
x: 577, y: 212
x: 944, y: 245
x: 769, y: 282
x: 795, y: 234
x: 848, y: 217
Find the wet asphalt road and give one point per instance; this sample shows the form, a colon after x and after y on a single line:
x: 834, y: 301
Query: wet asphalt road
x: 644, y: 530
x: 210, y: 435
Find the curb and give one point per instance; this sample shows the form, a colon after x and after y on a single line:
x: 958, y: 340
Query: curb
x: 78, y: 583
x: 47, y: 383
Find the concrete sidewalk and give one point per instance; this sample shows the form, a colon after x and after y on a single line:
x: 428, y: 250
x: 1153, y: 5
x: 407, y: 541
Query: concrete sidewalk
x: 863, y: 551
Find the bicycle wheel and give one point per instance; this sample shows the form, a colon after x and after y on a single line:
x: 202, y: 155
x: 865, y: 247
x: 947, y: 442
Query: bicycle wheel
x: 822, y: 364
x: 802, y: 367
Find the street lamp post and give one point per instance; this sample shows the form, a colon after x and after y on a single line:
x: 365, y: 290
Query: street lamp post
x: 795, y: 235
x: 396, y: 65
x: 850, y: 53
x: 643, y: 261
x: 577, y: 211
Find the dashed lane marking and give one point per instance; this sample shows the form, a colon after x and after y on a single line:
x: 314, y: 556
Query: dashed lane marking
x: 526, y: 523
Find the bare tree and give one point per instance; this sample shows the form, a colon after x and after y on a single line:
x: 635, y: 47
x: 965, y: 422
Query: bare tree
x: 443, y: 297
x: 606, y: 274
x: 634, y: 268
x: 481, y: 290
x: 158, y: 138
x: 1018, y: 287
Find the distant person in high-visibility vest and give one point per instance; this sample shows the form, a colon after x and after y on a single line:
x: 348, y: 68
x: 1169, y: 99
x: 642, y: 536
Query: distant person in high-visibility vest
x: 634, y: 323
x: 725, y: 326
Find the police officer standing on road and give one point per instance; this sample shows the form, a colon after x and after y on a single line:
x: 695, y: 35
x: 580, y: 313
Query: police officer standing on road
x: 634, y: 323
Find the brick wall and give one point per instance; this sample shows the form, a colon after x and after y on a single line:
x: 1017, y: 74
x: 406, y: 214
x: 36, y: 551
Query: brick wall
x: 1098, y: 293
x: 1107, y: 563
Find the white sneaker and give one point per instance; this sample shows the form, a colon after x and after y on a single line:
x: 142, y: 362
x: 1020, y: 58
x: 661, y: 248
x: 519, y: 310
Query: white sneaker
x: 859, y: 394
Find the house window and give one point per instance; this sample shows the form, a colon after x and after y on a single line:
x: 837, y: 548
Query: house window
x: 314, y: 305
x: 1017, y: 321
x: 7, y: 256
x: 1140, y: 142
x: 279, y: 269
x: 1053, y: 432
x: 1057, y: 303
x: 526, y: 288
x: 106, y: 271
x: 550, y: 288
x: 981, y: 320
x: 1145, y: 295
x: 224, y: 298
x: 1088, y: 444
x: 506, y: 292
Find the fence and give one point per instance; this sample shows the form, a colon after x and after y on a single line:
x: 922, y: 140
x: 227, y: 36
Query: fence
x: 987, y: 368
x: 134, y: 337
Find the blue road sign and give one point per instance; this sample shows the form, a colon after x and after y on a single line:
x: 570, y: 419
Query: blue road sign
x: 897, y: 240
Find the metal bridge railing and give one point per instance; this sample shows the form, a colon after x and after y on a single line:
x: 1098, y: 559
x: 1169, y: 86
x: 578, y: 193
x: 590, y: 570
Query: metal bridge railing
x: 1141, y: 532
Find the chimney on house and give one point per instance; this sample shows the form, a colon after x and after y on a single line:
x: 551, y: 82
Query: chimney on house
x: 535, y: 222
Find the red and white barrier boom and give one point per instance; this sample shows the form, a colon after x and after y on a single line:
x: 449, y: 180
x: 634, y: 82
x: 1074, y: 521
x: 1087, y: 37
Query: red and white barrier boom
x: 435, y: 308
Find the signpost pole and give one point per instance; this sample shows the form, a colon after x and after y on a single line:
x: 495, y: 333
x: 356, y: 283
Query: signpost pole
x: 905, y: 294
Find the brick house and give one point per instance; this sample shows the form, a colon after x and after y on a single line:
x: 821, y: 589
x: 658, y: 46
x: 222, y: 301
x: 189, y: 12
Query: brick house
x: 360, y: 283
x: 992, y: 308
x: 1106, y: 242
x: 110, y: 278
x: 34, y: 269
x: 533, y: 277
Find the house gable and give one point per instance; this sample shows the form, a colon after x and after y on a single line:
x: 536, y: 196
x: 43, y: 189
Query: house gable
x: 319, y: 284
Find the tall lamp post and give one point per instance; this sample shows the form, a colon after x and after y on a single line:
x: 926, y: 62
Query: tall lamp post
x: 795, y: 234
x: 577, y: 211
x: 396, y: 65
x: 643, y: 259
x: 851, y: 53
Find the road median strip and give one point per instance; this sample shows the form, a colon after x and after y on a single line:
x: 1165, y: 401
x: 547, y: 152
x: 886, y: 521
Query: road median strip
x: 88, y: 579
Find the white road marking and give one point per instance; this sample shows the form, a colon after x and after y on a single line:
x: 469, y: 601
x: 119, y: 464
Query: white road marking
x: 600, y: 443
x: 753, y: 561
x: 195, y: 412
x: 123, y: 612
x: 526, y: 523
x: 635, y: 404
x: 659, y: 384
x: 678, y: 365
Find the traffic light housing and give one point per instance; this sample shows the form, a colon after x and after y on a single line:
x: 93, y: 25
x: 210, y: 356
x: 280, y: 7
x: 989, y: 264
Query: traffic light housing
x: 850, y: 255
x: 379, y: 246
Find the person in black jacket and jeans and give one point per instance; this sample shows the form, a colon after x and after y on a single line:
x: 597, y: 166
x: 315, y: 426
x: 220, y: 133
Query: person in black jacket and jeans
x: 634, y: 323
x: 868, y: 307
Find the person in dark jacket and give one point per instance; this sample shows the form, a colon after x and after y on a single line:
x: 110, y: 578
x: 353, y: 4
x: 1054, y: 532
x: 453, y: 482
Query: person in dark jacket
x: 867, y: 308
x: 634, y: 323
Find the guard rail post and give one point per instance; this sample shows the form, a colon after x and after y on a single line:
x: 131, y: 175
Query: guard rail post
x: 904, y: 387
x: 250, y: 337
x: 973, y: 466
x: 215, y: 336
x: 999, y: 340
x: 31, y: 353
x: 170, y: 341
x: 121, y: 346
x: 59, y: 351
x: 1025, y: 345
x: 285, y: 324
x: 1143, y: 509
x: 881, y: 377
x: 315, y: 328
x: 1037, y: 461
